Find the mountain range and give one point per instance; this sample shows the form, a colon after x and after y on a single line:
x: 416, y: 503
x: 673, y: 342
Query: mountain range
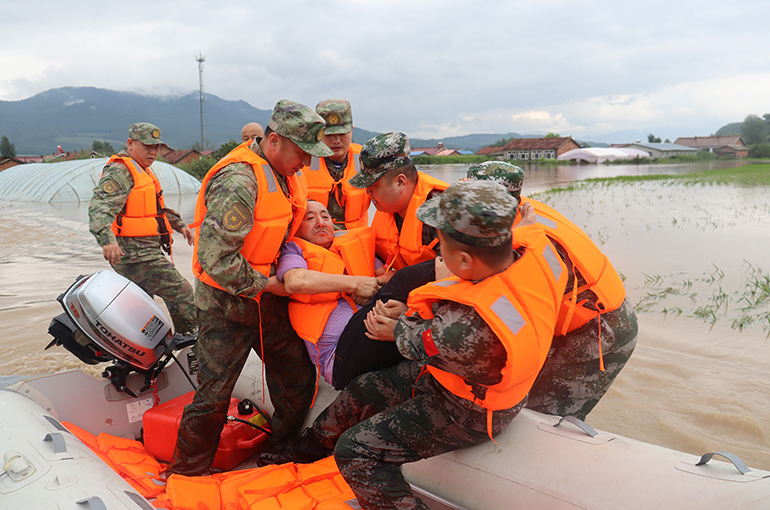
x: 75, y: 117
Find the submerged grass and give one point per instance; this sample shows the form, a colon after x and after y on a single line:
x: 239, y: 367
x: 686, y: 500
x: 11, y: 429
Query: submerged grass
x: 730, y: 295
x: 750, y: 176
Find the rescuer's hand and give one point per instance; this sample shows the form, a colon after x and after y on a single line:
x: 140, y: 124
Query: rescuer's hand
x: 275, y: 286
x: 392, y: 309
x: 188, y: 235
x: 528, y: 216
x: 366, y: 288
x: 379, y: 327
x: 112, y: 253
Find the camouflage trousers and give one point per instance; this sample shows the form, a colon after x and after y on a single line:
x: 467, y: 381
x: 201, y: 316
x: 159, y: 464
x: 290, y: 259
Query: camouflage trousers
x: 222, y: 348
x: 159, y: 277
x: 387, y: 418
x: 571, y: 382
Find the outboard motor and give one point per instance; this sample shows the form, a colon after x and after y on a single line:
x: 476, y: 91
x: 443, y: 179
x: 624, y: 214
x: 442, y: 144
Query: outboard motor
x: 110, y: 318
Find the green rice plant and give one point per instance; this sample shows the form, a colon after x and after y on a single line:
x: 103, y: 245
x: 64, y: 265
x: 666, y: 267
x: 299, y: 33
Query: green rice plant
x: 756, y: 291
x: 715, y: 276
x: 707, y: 314
x: 647, y: 302
x: 742, y: 322
x: 675, y: 311
x: 652, y: 279
x: 720, y: 298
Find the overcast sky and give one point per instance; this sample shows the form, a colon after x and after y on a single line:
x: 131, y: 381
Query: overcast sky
x: 429, y: 68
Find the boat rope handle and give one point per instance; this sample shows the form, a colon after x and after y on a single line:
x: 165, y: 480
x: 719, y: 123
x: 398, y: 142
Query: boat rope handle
x: 94, y: 502
x: 579, y: 424
x: 59, y: 446
x: 737, y: 462
x: 8, y: 464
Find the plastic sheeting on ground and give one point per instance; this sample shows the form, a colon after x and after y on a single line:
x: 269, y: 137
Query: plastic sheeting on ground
x: 600, y: 155
x: 73, y: 181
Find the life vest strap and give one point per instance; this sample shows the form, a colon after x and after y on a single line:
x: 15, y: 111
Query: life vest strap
x: 572, y: 305
x: 489, y: 425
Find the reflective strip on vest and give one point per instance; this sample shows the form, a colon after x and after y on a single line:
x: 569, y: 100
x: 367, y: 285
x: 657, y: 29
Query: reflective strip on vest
x: 550, y: 256
x: 548, y: 222
x: 508, y: 314
x: 272, y: 186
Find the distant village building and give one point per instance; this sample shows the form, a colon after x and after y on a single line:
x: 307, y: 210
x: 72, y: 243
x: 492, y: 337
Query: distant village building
x: 9, y: 162
x: 660, y: 150
x: 173, y: 157
x: 532, y: 149
x: 728, y: 146
x: 439, y: 150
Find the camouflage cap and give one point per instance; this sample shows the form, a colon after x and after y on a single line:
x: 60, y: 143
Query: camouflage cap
x: 510, y: 176
x: 301, y: 125
x: 337, y: 115
x: 148, y: 134
x: 380, y: 154
x: 474, y: 213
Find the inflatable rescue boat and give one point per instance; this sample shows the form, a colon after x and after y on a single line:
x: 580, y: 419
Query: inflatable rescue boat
x: 539, y: 461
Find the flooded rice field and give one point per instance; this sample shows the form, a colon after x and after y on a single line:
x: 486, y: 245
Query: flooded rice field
x: 694, y: 258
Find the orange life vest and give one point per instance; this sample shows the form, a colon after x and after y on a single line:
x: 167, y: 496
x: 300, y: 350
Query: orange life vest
x: 126, y: 457
x: 600, y: 277
x: 520, y: 304
x: 317, y: 486
x: 406, y: 249
x: 143, y: 213
x: 274, y: 212
x: 355, y: 201
x: 352, y: 252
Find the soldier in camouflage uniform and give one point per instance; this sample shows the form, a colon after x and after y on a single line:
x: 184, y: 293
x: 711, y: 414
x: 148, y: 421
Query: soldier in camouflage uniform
x: 140, y: 258
x: 397, y: 189
x: 242, y: 308
x: 402, y: 414
x: 328, y: 184
x: 572, y: 381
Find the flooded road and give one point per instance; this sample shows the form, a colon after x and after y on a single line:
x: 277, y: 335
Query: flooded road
x: 693, y: 384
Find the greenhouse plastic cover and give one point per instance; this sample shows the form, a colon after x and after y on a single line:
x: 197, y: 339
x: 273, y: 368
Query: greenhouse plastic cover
x: 73, y: 181
x: 600, y: 155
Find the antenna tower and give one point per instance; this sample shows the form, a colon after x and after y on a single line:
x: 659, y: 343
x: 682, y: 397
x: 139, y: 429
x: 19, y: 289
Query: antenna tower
x: 201, y: 59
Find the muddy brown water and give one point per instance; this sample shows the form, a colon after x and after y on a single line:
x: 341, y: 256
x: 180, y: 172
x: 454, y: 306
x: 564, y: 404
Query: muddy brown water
x: 694, y: 385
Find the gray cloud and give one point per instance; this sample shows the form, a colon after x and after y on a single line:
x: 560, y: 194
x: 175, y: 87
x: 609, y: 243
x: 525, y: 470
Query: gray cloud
x: 428, y: 68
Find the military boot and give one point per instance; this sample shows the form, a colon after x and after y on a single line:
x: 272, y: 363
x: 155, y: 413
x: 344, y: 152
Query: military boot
x: 304, y: 449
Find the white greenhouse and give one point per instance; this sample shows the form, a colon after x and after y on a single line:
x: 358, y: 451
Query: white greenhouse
x: 73, y: 181
x: 600, y: 155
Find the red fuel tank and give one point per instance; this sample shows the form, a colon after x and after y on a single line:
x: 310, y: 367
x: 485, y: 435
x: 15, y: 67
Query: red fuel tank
x: 237, y: 443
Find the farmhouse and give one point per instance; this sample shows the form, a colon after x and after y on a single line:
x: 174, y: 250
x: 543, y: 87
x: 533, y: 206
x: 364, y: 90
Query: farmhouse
x: 730, y: 146
x: 532, y: 149
x: 439, y: 150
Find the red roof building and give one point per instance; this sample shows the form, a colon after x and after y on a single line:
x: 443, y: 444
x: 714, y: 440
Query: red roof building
x: 532, y: 149
x: 440, y: 150
x: 178, y: 157
x: 9, y: 162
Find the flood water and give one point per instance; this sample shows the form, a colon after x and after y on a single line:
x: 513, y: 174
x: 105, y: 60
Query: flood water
x: 693, y: 258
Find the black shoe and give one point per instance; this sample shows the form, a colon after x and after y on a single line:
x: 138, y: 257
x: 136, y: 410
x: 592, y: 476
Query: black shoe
x: 302, y: 450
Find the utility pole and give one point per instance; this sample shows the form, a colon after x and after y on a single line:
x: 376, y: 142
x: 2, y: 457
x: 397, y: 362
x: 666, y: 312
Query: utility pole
x: 201, y: 59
